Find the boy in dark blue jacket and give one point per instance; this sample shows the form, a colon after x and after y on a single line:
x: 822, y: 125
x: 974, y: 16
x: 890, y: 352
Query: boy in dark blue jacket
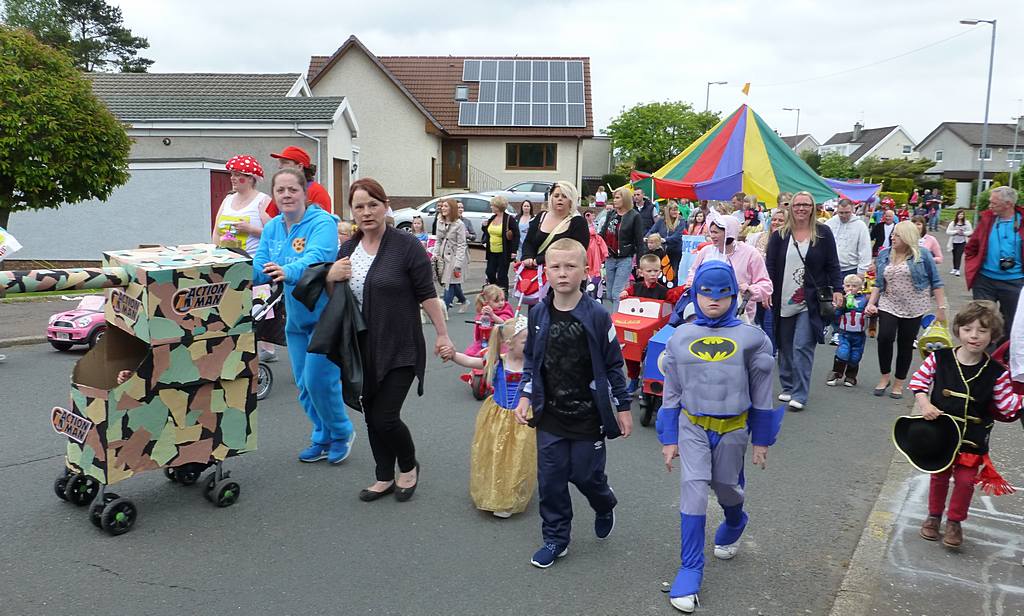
x: 572, y: 378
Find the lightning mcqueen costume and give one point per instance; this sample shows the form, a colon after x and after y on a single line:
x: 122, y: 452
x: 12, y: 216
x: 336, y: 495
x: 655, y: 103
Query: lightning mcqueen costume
x: 711, y: 419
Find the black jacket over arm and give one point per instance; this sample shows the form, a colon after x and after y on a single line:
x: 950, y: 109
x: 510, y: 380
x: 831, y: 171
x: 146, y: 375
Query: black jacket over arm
x: 577, y: 230
x: 822, y: 269
x: 877, y: 237
x: 398, y: 281
x: 630, y: 232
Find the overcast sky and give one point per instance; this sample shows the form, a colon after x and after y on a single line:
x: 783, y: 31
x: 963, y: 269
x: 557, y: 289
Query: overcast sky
x: 643, y: 51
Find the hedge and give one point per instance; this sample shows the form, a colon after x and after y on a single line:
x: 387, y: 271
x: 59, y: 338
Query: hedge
x: 612, y: 181
x: 900, y: 185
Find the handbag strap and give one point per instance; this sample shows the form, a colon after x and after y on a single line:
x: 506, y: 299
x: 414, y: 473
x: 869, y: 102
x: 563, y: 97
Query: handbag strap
x: 807, y: 273
x: 559, y: 228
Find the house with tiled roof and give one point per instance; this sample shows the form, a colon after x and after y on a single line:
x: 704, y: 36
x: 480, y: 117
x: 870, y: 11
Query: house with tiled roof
x: 184, y: 127
x: 439, y: 124
x: 956, y: 149
x: 885, y: 143
x: 801, y: 143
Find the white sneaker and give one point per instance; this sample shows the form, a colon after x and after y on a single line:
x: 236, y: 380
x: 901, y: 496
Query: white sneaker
x: 503, y: 514
x: 952, y: 272
x: 685, y: 604
x: 726, y: 552
x: 956, y: 273
x: 784, y: 397
x: 796, y: 406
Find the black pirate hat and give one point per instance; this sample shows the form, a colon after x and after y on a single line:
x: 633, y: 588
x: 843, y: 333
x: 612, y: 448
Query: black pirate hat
x: 930, y: 446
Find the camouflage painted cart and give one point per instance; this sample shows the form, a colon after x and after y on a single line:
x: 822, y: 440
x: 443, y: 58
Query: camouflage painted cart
x: 179, y: 319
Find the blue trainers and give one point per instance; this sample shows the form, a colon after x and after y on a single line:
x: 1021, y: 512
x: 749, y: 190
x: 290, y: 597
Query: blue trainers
x: 313, y: 453
x: 634, y: 384
x: 603, y: 524
x: 546, y: 555
x: 340, y: 449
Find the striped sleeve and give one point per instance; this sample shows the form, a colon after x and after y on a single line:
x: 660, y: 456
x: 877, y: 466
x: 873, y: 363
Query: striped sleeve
x: 923, y: 377
x: 1003, y: 398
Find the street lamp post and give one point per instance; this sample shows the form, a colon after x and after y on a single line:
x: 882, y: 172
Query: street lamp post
x: 707, y: 96
x: 797, y: 110
x: 988, y: 96
x: 1016, y: 157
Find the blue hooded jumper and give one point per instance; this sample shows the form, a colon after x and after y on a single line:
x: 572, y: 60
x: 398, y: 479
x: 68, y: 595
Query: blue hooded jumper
x: 313, y: 239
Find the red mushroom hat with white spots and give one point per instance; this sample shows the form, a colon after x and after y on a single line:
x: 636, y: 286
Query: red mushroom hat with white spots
x: 244, y: 163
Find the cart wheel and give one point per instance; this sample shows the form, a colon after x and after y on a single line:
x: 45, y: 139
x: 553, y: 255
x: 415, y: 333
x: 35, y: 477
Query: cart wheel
x: 187, y: 475
x: 96, y: 509
x: 225, y: 493
x: 60, y: 484
x: 169, y: 473
x: 479, y: 386
x: 61, y: 346
x: 264, y: 381
x: 210, y: 482
x: 81, y: 489
x: 651, y: 404
x: 118, y: 516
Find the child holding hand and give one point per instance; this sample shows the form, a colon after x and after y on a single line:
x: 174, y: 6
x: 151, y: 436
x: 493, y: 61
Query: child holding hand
x: 852, y: 333
x: 503, y: 458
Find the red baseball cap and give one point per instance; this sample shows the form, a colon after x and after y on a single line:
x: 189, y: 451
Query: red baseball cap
x: 294, y: 154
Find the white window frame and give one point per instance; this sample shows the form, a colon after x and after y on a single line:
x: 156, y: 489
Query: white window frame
x: 1015, y: 156
x: 461, y: 93
x: 989, y: 157
x: 908, y: 149
x: 938, y: 156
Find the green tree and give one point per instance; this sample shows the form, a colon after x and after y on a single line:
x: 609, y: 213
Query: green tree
x: 58, y: 143
x: 812, y: 158
x: 836, y: 166
x: 893, y: 168
x: 90, y: 31
x: 652, y: 134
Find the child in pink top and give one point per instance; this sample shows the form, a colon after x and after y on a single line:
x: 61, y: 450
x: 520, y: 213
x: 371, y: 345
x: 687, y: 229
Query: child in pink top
x: 928, y: 242
x: 746, y: 261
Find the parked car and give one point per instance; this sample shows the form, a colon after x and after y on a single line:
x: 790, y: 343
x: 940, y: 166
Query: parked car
x: 85, y: 324
x: 476, y: 211
x: 534, y: 192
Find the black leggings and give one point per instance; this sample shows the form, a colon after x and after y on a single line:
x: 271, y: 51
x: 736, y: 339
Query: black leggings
x: 497, y: 269
x: 958, y: 253
x: 901, y: 331
x: 390, y: 439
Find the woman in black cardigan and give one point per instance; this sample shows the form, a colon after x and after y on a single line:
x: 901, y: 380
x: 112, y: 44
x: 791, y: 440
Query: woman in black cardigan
x: 502, y: 245
x: 561, y: 219
x: 389, y: 273
x: 801, y: 259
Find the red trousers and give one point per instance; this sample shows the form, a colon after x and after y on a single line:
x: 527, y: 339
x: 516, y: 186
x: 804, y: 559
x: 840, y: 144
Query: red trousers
x: 963, y: 490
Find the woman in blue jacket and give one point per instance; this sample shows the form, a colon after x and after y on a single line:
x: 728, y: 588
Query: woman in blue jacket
x: 301, y: 235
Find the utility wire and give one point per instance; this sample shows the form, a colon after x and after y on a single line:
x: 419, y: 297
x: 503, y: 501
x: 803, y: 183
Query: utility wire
x: 876, y: 63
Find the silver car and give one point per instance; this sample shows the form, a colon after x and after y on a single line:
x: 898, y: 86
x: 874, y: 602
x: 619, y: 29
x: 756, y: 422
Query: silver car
x: 534, y: 192
x: 476, y: 211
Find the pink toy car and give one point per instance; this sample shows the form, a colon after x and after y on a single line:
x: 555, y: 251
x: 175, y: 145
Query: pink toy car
x: 83, y: 325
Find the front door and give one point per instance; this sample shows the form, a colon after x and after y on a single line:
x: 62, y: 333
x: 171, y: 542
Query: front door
x: 342, y: 178
x: 454, y: 163
x: 220, y: 186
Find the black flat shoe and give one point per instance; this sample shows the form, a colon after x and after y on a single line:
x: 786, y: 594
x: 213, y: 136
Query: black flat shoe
x: 368, y: 496
x: 404, y: 494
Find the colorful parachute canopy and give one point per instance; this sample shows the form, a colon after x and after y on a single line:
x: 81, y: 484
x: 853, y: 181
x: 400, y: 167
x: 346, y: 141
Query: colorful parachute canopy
x: 854, y: 191
x: 741, y: 153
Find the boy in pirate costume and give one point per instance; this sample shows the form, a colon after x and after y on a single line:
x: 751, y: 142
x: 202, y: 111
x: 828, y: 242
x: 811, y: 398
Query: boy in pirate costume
x: 706, y: 419
x: 973, y: 389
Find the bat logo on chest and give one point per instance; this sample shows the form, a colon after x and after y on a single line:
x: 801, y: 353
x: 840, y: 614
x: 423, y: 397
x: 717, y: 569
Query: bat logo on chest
x: 713, y: 348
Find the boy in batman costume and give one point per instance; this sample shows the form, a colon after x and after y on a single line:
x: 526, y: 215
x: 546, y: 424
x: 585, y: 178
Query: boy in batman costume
x: 706, y: 419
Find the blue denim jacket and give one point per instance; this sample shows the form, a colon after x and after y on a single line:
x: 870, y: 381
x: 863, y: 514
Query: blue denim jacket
x: 923, y: 272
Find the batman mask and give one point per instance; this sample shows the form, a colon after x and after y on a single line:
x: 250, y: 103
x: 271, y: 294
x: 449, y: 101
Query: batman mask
x: 716, y: 280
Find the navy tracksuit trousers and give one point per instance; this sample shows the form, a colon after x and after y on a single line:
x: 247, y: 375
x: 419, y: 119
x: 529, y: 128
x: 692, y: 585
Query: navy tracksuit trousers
x: 561, y: 461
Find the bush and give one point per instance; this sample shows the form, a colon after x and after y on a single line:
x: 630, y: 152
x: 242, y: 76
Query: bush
x: 612, y: 181
x: 901, y: 198
x: 1002, y: 178
x: 902, y: 185
x: 981, y: 201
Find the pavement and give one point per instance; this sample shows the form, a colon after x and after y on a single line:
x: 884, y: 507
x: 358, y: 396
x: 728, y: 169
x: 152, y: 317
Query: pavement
x: 832, y: 531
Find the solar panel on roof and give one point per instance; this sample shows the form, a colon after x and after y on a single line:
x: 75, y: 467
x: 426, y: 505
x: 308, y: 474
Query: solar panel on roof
x: 525, y: 93
x: 471, y: 70
x: 467, y: 114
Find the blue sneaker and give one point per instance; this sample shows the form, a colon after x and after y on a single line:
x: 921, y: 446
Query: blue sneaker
x: 313, y: 453
x: 633, y: 385
x: 340, y: 449
x: 603, y: 524
x: 546, y: 555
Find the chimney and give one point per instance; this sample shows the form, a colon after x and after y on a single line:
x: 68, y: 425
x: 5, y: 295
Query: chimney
x: 856, y: 132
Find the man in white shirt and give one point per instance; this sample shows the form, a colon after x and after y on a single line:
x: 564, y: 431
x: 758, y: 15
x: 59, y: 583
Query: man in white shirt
x: 853, y: 241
